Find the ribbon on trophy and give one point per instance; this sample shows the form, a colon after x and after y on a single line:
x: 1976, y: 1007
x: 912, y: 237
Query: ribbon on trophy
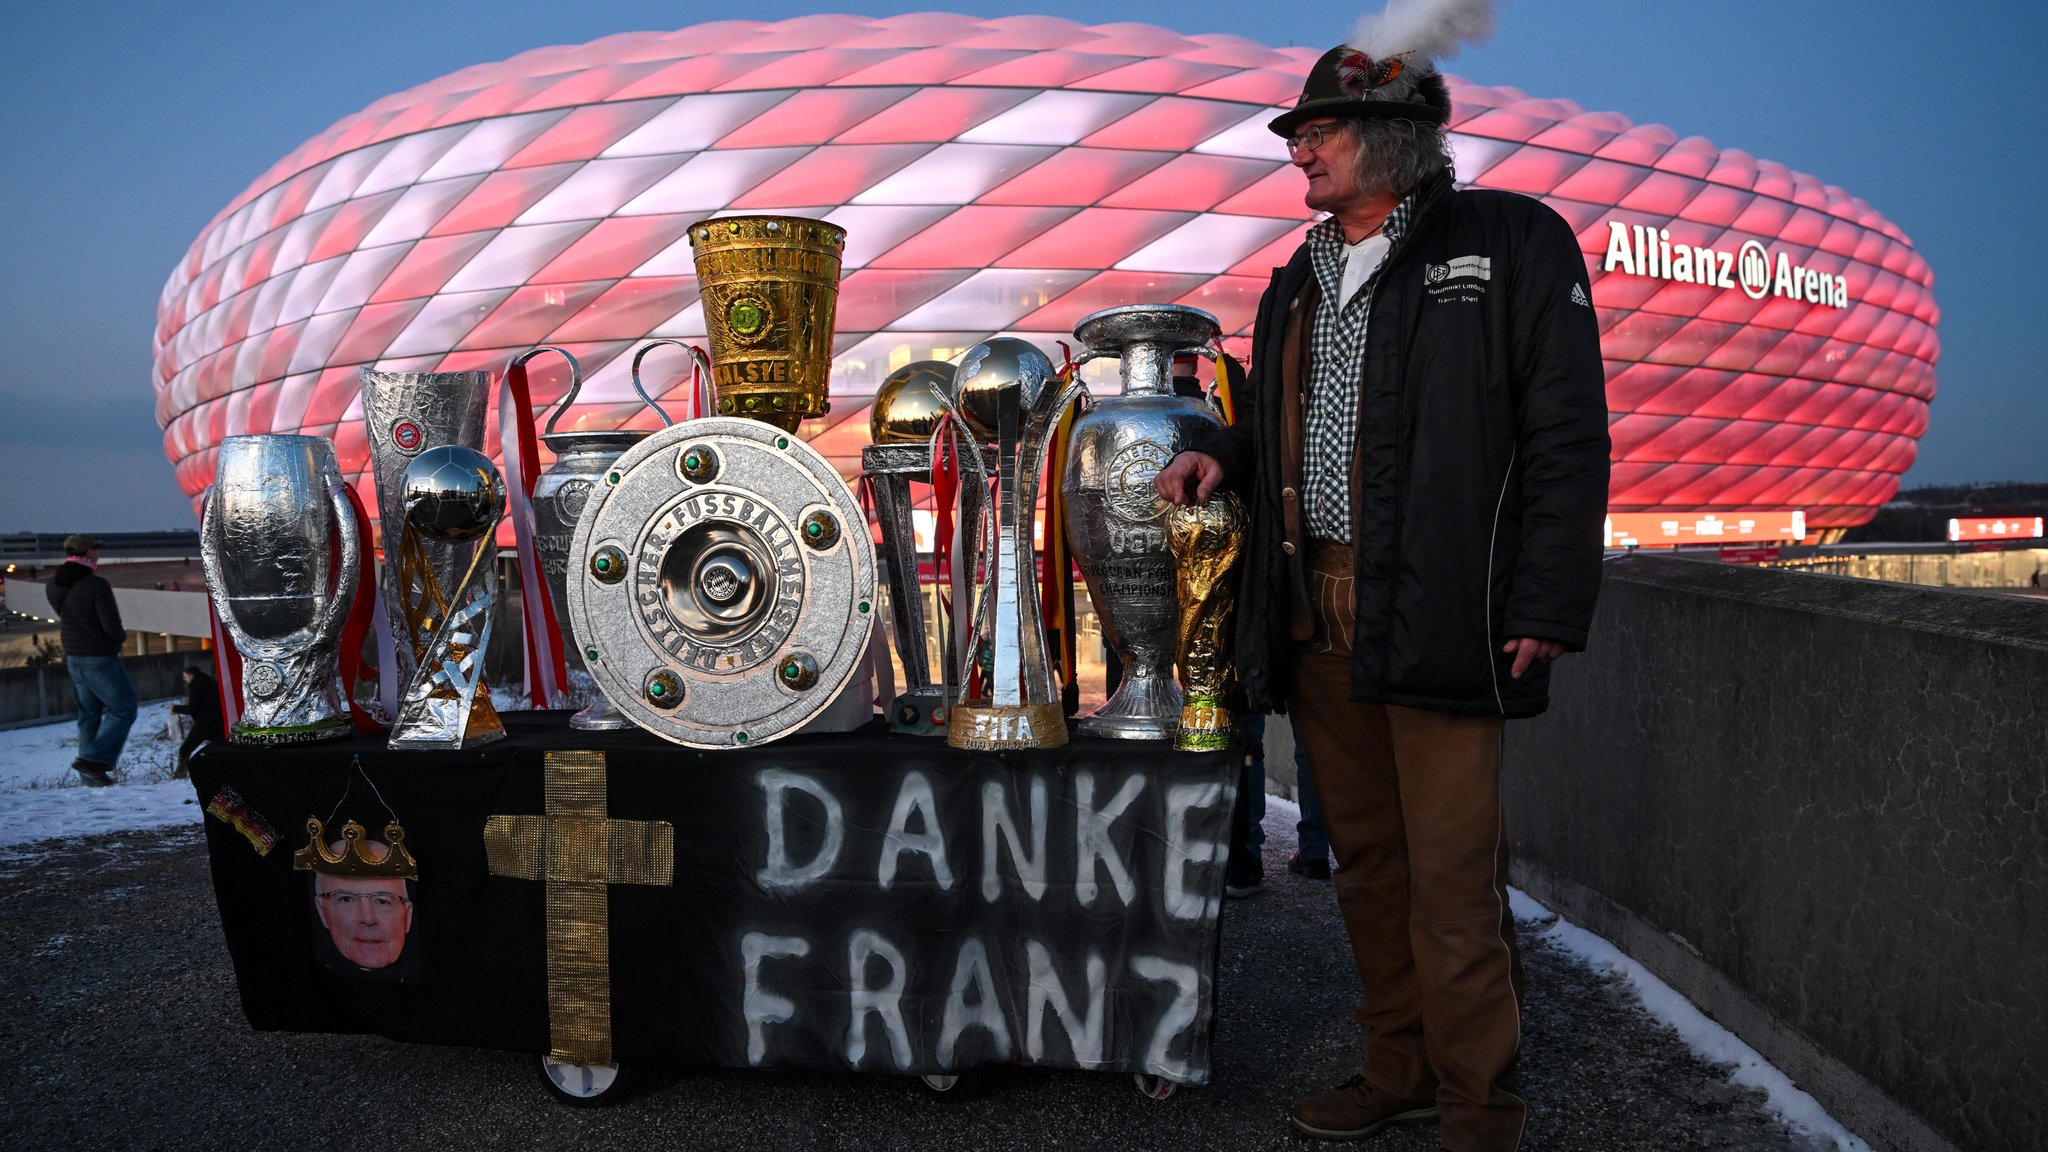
x: 363, y: 615
x: 1229, y: 380
x: 1056, y: 584
x: 227, y: 663
x: 885, y: 668
x: 547, y: 677
x: 949, y: 545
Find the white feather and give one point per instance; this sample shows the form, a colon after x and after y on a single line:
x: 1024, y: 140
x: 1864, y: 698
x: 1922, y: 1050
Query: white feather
x: 1431, y: 29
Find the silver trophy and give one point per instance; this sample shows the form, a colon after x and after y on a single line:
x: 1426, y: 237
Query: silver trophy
x: 559, y: 497
x: 405, y: 414
x: 1008, y: 393
x: 1115, y: 522
x: 282, y: 589
x: 724, y: 590
x: 905, y: 413
x: 452, y: 499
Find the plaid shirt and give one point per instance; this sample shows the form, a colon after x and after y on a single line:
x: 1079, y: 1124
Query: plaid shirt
x: 1336, y: 366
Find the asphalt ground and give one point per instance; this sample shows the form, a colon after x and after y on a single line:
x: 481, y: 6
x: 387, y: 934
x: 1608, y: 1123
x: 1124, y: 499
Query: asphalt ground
x: 124, y: 1031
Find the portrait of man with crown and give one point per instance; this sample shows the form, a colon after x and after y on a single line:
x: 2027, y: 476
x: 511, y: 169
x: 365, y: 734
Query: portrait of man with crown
x: 363, y: 898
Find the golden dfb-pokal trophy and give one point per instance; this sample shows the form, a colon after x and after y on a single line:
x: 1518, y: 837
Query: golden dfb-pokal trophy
x: 1206, y: 540
x: 769, y: 286
x: 452, y: 499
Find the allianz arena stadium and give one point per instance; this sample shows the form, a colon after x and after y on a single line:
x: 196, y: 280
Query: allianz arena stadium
x: 1769, y: 340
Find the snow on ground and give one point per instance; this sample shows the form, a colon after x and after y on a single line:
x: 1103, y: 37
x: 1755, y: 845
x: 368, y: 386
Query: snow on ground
x: 1707, y: 1040
x: 41, y: 797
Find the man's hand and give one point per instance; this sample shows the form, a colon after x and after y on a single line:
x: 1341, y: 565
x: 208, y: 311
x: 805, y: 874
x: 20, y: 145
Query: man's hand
x: 1527, y: 650
x: 1197, y: 470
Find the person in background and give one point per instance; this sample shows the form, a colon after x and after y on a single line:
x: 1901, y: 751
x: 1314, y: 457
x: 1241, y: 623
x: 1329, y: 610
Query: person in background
x: 90, y: 625
x: 1311, y: 860
x: 202, y: 706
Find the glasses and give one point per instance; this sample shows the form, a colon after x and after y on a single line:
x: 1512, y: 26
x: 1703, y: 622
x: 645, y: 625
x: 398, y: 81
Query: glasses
x: 1311, y: 138
x: 351, y: 901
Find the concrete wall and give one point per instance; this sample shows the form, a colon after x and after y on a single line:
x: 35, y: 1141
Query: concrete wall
x: 44, y: 691
x: 1819, y: 807
x: 142, y: 609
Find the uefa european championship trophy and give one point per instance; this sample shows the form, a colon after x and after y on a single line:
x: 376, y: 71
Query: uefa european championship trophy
x: 1207, y: 540
x: 282, y: 590
x: 582, y: 460
x: 1007, y: 392
x: 1114, y: 511
x: 451, y: 501
x: 407, y: 414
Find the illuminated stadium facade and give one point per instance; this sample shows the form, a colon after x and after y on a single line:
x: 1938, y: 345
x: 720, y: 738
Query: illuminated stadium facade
x: 1770, y: 341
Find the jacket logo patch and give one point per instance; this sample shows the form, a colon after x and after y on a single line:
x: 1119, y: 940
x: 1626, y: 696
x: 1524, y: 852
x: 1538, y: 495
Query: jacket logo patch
x: 1464, y: 267
x: 1579, y: 296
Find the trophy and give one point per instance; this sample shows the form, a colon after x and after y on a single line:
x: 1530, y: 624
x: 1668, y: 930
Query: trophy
x: 282, y: 589
x: 1207, y: 540
x: 906, y: 412
x: 1114, y: 511
x: 769, y: 285
x: 407, y: 414
x: 581, y: 461
x: 1008, y: 392
x: 451, y: 499
x: 725, y: 587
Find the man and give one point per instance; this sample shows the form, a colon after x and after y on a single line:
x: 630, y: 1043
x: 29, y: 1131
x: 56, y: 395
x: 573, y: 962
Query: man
x: 1425, y: 463
x: 368, y: 917
x: 92, y: 635
x: 202, y: 705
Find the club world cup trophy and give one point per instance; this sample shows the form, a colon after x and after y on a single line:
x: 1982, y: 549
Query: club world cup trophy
x: 582, y: 459
x: 452, y: 499
x: 906, y: 412
x: 282, y: 584
x: 407, y: 414
x: 1008, y: 393
x: 1207, y: 540
x: 770, y: 286
x: 1115, y: 522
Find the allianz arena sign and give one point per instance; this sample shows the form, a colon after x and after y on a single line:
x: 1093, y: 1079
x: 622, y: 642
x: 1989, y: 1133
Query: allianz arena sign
x: 1637, y: 250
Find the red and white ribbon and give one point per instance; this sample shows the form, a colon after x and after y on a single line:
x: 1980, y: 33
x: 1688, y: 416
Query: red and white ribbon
x: 546, y: 677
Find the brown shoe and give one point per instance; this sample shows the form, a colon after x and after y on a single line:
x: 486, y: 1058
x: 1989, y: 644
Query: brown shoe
x: 1354, y: 1110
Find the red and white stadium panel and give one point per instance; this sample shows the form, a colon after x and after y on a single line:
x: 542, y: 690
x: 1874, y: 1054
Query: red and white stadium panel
x: 1008, y: 175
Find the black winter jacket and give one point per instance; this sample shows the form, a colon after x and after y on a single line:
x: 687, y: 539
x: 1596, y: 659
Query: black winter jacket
x: 1481, y: 458
x: 91, y: 624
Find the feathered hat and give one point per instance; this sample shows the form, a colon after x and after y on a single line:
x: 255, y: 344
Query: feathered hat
x: 1388, y: 69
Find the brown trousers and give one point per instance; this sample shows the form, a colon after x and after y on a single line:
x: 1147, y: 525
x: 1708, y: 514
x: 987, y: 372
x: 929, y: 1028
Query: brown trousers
x: 1412, y: 803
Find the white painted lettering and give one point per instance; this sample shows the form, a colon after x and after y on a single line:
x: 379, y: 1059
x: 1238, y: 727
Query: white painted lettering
x: 1181, y: 852
x: 999, y: 828
x: 780, y: 875
x: 1178, y: 1016
x: 885, y: 1002
x: 761, y: 1007
x: 915, y: 797
x: 1091, y: 836
x: 971, y: 969
x: 1084, y: 1034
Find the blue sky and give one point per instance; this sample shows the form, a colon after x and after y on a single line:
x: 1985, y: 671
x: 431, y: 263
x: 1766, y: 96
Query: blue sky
x: 128, y: 126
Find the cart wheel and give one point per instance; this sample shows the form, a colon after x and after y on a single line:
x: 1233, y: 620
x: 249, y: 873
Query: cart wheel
x: 583, y: 1085
x: 1153, y: 1087
x: 940, y: 1083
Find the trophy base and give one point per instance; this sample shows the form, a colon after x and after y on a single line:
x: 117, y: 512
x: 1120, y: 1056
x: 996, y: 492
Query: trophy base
x: 921, y: 712
x: 985, y: 727
x: 438, y: 741
x: 1204, y: 726
x: 334, y: 728
x: 600, y: 716
x: 1143, y: 708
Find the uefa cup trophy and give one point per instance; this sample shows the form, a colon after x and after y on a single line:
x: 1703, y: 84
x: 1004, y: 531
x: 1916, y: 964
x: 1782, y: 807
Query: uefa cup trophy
x: 581, y: 461
x: 452, y: 499
x: 906, y: 412
x: 1008, y: 393
x: 1207, y: 540
x: 282, y: 589
x: 770, y: 287
x: 1114, y: 524
x: 407, y: 414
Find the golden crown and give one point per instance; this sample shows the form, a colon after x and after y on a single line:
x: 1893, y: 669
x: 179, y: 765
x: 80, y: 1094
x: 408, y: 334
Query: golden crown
x: 353, y: 859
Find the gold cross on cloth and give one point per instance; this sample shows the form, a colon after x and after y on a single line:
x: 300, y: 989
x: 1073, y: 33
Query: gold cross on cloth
x: 578, y: 853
